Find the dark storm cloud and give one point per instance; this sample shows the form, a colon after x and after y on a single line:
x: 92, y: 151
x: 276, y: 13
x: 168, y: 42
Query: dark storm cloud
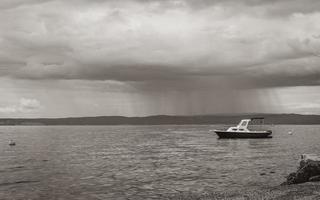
x: 239, y: 42
x: 11, y: 4
x: 274, y: 6
x: 279, y: 7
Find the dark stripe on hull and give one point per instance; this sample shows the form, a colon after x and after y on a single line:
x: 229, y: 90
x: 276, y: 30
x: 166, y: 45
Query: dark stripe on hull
x: 225, y: 134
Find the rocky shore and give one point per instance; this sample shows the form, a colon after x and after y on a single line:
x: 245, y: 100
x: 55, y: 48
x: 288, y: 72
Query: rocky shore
x: 302, y: 184
x: 308, y: 171
x: 304, y: 191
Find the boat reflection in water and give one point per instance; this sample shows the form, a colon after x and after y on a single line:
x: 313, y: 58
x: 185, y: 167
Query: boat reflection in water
x: 242, y: 131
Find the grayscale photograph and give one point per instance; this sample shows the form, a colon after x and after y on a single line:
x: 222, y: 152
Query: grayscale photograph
x: 160, y: 100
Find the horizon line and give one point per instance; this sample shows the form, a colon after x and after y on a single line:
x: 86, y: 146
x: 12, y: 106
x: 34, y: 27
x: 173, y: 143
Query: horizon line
x: 147, y: 116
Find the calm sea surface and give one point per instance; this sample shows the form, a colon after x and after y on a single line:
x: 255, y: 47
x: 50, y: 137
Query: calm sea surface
x: 143, y: 162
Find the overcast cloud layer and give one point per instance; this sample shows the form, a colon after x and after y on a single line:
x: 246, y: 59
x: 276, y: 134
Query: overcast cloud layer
x: 223, y: 56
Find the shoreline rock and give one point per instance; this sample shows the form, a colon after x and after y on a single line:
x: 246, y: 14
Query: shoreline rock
x: 308, y: 171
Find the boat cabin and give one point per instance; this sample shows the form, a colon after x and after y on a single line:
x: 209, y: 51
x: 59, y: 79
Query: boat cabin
x: 241, y: 127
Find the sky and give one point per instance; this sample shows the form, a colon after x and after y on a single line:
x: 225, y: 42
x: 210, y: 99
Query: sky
x: 148, y: 57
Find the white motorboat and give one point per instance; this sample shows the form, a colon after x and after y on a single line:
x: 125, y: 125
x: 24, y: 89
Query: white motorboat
x: 242, y: 131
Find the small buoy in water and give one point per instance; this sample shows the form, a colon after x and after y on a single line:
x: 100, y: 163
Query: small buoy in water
x: 12, y: 143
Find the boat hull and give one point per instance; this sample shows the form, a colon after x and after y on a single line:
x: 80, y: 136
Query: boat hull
x: 256, y: 134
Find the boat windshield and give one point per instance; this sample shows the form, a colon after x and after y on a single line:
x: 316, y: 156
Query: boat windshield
x: 244, y: 123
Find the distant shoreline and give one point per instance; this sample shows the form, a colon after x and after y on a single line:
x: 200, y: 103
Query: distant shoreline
x: 164, y: 120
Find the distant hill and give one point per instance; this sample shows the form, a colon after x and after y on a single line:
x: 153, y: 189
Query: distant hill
x: 164, y: 119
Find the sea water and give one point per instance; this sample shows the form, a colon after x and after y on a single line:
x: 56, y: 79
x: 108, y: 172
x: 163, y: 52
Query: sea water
x: 143, y: 162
